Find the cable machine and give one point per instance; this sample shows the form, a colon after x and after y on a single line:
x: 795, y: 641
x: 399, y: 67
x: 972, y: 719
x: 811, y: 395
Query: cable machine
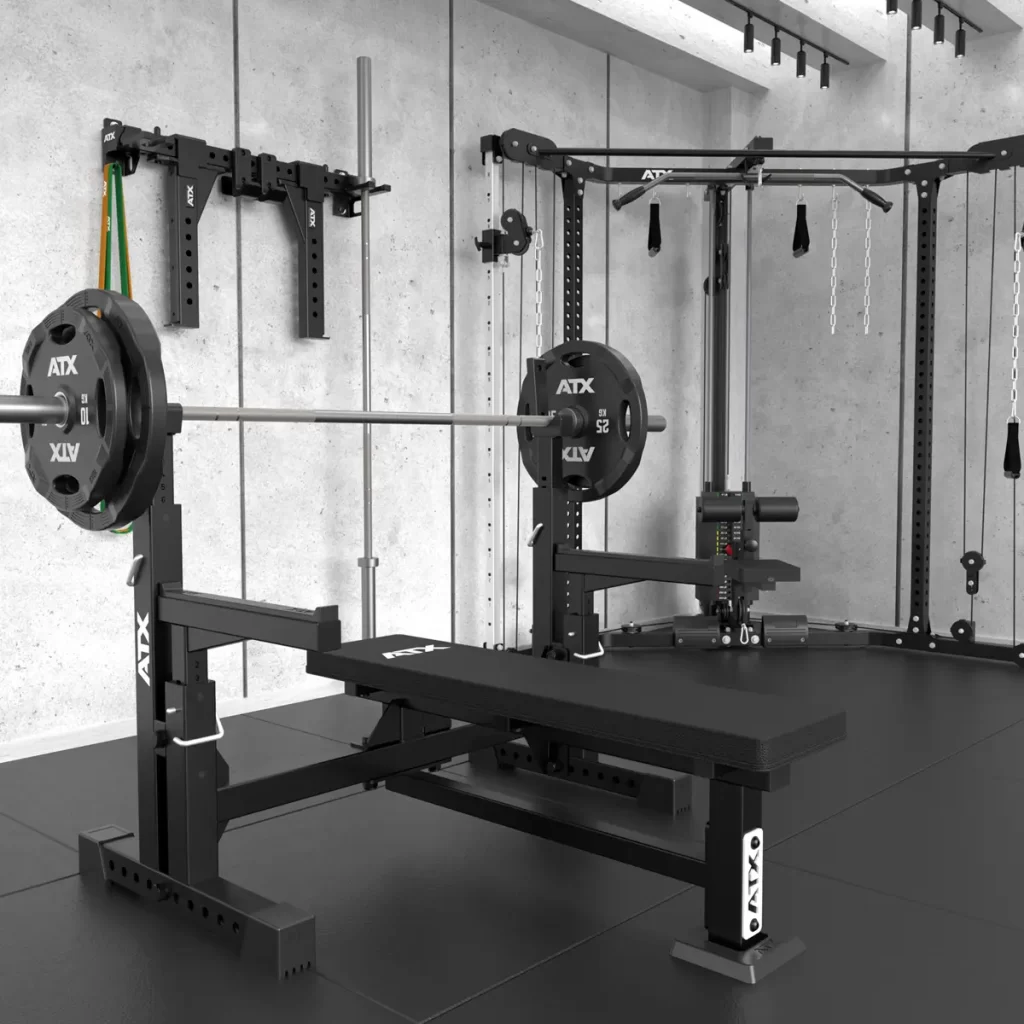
x: 728, y: 522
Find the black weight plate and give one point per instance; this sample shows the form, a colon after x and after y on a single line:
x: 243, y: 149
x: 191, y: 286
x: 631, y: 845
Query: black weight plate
x: 146, y: 388
x: 75, y: 355
x: 603, y: 384
x: 144, y: 418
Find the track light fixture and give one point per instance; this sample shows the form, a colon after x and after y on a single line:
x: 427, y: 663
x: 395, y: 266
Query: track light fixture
x: 961, y: 42
x: 942, y: 8
x: 776, y: 44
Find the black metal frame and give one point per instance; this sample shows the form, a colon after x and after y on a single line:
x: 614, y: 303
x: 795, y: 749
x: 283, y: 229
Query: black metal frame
x: 196, y: 167
x: 185, y: 797
x: 995, y: 155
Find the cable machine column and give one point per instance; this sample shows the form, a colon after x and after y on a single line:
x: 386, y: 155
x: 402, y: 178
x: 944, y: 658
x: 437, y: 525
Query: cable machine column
x: 924, y: 408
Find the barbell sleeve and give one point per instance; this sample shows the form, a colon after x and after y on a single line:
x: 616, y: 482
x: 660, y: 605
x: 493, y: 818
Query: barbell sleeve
x: 32, y: 409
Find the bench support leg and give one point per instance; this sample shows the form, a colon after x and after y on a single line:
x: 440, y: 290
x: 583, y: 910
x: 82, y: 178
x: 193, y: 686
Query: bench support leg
x: 734, y: 941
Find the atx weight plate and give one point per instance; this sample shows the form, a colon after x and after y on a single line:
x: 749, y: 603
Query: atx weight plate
x: 74, y: 463
x: 604, y: 385
x: 117, y: 376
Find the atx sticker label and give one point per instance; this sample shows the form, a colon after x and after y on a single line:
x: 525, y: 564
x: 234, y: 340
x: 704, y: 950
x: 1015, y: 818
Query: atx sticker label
x: 414, y: 650
x: 142, y: 646
x: 64, y: 451
x: 62, y: 366
x: 575, y: 386
x: 577, y: 454
x: 753, y: 883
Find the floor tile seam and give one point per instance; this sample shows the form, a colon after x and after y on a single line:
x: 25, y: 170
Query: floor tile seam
x: 554, y: 956
x: 896, y: 896
x: 892, y: 785
x: 38, y: 832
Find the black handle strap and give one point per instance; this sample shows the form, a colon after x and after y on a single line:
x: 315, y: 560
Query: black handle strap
x: 654, y: 231
x: 801, y: 236
x: 1011, y: 461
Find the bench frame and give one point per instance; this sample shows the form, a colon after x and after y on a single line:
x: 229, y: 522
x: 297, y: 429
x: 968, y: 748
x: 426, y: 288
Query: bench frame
x: 186, y: 798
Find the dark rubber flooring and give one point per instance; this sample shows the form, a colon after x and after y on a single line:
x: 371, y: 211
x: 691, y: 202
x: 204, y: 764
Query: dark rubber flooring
x: 896, y: 856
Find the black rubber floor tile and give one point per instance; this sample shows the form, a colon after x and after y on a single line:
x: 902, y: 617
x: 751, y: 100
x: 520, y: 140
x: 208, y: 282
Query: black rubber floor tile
x: 76, y: 952
x: 904, y: 712
x: 341, y: 718
x: 71, y: 791
x: 28, y: 858
x: 999, y: 756
x: 869, y: 958
x: 950, y: 837
x: 418, y: 907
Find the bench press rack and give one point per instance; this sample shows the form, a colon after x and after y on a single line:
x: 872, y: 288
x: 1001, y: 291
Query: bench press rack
x: 743, y: 743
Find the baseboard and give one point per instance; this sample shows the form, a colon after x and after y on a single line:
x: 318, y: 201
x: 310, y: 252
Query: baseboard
x: 49, y: 743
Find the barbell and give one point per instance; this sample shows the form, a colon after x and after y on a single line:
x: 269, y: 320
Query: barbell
x: 95, y: 417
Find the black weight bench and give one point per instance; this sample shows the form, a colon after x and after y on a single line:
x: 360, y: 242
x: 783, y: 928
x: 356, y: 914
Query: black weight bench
x: 744, y: 743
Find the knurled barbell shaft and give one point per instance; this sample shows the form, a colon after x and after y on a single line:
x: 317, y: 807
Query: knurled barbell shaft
x: 31, y: 409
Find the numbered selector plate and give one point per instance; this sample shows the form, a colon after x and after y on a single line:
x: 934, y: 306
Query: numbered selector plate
x: 603, y: 384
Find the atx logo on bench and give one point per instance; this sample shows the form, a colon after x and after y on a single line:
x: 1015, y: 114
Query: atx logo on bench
x: 753, y: 883
x: 414, y: 650
x: 575, y: 386
x: 62, y: 366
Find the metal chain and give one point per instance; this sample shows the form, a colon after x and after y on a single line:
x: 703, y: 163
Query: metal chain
x: 835, y: 242
x: 538, y: 273
x: 867, y: 268
x: 1016, y: 327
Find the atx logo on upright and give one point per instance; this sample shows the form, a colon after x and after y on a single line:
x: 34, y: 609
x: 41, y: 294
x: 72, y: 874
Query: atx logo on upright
x: 142, y: 646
